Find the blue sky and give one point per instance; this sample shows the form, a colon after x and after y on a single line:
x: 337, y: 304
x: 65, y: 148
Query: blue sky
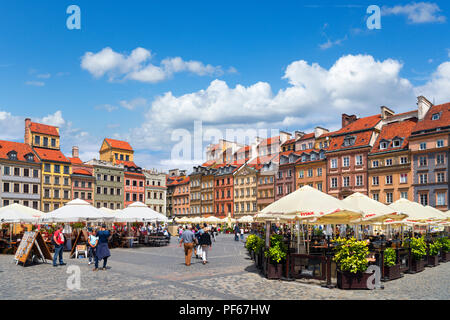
x: 261, y: 64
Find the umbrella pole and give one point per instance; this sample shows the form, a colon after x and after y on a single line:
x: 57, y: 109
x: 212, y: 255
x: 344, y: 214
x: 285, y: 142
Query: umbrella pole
x: 298, y: 237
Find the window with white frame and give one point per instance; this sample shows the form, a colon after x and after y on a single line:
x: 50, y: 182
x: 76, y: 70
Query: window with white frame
x: 359, y: 180
x: 375, y: 164
x: 440, y: 177
x: 333, y: 163
x: 440, y: 199
x: 310, y: 172
x: 375, y: 181
x: 359, y: 160
x: 301, y: 174
x: 423, y: 178
x: 389, y: 197
x: 403, y: 178
x: 423, y: 161
x: 404, y: 194
x: 403, y: 160
x: 346, y: 181
x: 423, y: 146
x: 346, y: 161
x: 440, y: 158
x: 384, y: 145
x: 440, y: 143
x: 319, y: 186
x: 280, y: 189
x: 334, y: 182
x: 376, y: 197
x: 423, y: 199
x: 389, y: 179
x: 319, y: 172
x: 388, y: 162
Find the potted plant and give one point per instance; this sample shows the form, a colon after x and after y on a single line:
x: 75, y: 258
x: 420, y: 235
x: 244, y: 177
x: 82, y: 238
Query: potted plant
x: 433, y: 254
x: 445, y: 248
x: 250, y: 245
x: 351, y: 259
x: 391, y: 267
x: 418, y: 252
x: 276, y: 255
x: 258, y: 249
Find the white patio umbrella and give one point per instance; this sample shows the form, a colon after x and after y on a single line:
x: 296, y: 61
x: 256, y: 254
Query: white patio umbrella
x: 196, y: 220
x: 9, y: 215
x: 308, y: 203
x: 447, y: 215
x: 416, y: 212
x: 20, y: 208
x: 182, y: 220
x: 212, y: 220
x: 437, y: 214
x: 245, y: 219
x: 76, y: 211
x: 373, y: 211
x: 139, y: 212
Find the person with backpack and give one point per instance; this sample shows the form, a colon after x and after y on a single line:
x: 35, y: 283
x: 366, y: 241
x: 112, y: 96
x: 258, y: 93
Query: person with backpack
x: 58, y: 241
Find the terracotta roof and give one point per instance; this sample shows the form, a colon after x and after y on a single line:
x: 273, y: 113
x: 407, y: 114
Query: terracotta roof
x: 209, y: 163
x: 401, y: 129
x: 327, y: 134
x: 75, y: 160
x: 118, y: 144
x: 269, y: 141
x: 428, y: 124
x: 362, y: 139
x: 308, y: 151
x: 51, y: 155
x: 22, y: 149
x: 83, y: 172
x: 127, y: 163
x: 307, y: 136
x: 288, y: 142
x: 44, y: 129
x: 135, y: 174
x: 258, y: 162
x: 360, y: 124
x: 179, y: 181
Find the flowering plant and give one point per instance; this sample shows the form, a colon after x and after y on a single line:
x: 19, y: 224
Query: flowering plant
x: 351, y: 255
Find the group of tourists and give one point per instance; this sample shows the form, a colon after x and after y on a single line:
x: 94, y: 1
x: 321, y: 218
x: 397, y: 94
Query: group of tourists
x: 97, y: 244
x: 197, y: 240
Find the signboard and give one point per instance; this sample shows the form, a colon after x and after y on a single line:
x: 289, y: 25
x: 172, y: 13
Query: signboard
x: 32, y: 242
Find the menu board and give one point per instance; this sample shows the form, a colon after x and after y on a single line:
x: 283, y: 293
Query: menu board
x: 32, y: 241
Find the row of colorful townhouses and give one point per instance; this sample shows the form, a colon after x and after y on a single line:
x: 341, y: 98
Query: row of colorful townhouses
x: 386, y: 156
x: 37, y: 174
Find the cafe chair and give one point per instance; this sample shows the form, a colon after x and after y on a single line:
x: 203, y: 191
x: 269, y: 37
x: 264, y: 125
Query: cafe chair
x: 81, y: 250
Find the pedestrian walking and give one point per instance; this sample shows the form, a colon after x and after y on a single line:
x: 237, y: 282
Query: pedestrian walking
x: 198, y: 248
x: 188, y: 239
x: 92, y: 245
x: 58, y: 241
x: 242, y: 234
x: 206, y: 244
x: 102, y: 252
x: 237, y: 231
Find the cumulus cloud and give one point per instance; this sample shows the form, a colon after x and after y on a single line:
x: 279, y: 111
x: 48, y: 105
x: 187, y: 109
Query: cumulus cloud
x: 12, y: 126
x: 422, y: 12
x: 438, y: 87
x: 133, y: 104
x: 55, y: 119
x: 136, y: 66
x: 35, y: 83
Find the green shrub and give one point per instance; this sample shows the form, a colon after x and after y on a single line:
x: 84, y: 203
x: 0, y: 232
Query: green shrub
x: 351, y: 255
x: 418, y: 248
x: 251, y: 242
x: 277, y: 251
x: 390, y: 257
x: 434, y: 248
x: 445, y: 244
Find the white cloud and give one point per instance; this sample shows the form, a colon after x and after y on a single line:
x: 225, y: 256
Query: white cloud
x: 438, y: 87
x: 35, y: 83
x: 12, y: 126
x: 44, y: 76
x: 133, y: 104
x: 136, y: 66
x: 55, y: 119
x: 422, y: 12
x: 107, y: 107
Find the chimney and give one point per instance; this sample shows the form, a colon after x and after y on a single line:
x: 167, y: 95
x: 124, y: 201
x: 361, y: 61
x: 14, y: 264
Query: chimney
x: 386, y: 112
x: 318, y: 131
x: 75, y: 152
x: 298, y: 134
x: 28, y: 138
x: 346, y: 119
x: 423, y: 105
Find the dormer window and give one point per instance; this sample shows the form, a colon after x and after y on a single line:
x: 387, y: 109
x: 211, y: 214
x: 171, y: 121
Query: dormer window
x: 29, y: 157
x: 436, y: 116
x: 384, y: 145
x: 313, y: 156
x: 396, y: 143
x: 349, y: 141
x: 303, y: 158
x: 12, y: 155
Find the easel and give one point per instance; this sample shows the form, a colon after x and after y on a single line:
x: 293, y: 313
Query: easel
x: 32, y: 242
x: 82, y: 233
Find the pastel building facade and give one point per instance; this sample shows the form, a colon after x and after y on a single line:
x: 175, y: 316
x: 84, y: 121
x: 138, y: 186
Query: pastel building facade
x: 155, y: 190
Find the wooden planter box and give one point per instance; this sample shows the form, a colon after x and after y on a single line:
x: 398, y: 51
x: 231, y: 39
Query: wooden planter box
x: 274, y: 271
x: 432, y: 261
x: 348, y: 280
x: 252, y: 254
x: 417, y: 266
x: 392, y: 273
x: 259, y: 260
x: 445, y: 256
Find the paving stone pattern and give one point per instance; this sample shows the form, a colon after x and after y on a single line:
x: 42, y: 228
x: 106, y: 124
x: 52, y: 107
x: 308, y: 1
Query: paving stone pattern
x: 160, y: 273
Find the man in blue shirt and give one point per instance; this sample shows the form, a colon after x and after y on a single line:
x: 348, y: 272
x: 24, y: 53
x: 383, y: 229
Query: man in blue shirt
x: 102, y: 247
x: 188, y: 238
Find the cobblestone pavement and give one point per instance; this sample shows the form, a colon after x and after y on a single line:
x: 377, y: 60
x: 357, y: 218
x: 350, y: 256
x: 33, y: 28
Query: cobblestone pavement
x: 160, y: 273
